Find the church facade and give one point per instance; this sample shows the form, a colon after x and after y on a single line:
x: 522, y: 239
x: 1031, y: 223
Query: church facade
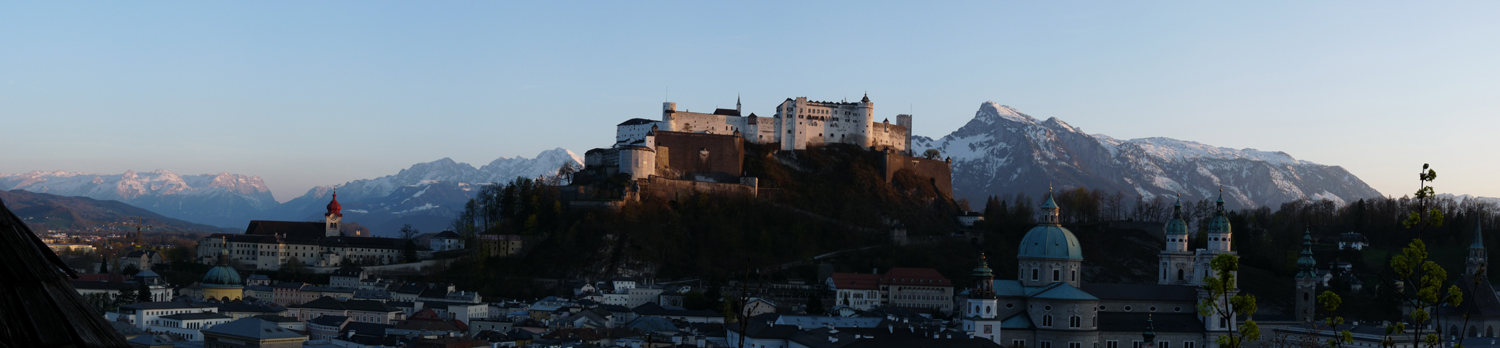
x: 266, y: 245
x: 1049, y: 306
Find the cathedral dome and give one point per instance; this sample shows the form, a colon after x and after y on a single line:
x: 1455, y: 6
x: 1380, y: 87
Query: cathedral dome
x: 1049, y: 239
x: 222, y: 277
x: 1051, y: 242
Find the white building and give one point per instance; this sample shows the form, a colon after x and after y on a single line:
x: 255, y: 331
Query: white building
x: 797, y: 124
x: 266, y: 245
x: 144, y: 314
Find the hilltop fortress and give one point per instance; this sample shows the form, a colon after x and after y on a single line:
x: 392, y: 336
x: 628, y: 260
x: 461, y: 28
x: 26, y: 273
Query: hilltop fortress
x: 692, y: 151
x: 797, y: 124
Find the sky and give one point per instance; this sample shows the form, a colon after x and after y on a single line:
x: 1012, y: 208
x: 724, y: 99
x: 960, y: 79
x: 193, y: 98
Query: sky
x: 321, y: 93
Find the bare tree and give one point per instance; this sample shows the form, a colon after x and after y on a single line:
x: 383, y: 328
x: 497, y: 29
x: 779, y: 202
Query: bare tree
x: 408, y: 232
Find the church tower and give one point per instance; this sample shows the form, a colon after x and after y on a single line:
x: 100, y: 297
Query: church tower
x: 1477, y: 261
x: 1219, y: 239
x: 1307, y: 282
x: 1176, y: 264
x: 333, y: 217
x: 981, y: 309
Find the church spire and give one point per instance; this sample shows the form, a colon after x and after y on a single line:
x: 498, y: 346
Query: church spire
x: 1306, y: 265
x: 1478, y: 260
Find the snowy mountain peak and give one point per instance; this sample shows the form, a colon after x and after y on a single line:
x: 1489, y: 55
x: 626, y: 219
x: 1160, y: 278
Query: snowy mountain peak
x: 1003, y: 151
x: 990, y: 112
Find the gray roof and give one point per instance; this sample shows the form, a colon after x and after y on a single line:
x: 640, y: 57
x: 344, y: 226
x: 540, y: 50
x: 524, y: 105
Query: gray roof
x: 1063, y: 291
x: 1143, y: 292
x: 1050, y: 242
x: 252, y: 328
x: 195, y: 316
x: 326, y: 302
x: 167, y: 305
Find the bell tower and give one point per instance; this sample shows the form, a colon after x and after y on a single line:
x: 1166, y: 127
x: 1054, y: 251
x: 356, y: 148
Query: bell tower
x: 1175, y: 261
x: 1307, y: 282
x: 1477, y: 261
x: 333, y: 217
x: 981, y: 310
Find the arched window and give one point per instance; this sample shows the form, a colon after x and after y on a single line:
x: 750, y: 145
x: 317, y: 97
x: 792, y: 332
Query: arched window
x: 987, y: 309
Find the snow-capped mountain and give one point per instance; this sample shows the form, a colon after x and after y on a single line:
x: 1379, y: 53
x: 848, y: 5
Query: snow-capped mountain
x: 215, y: 199
x: 1003, y: 151
x: 426, y: 195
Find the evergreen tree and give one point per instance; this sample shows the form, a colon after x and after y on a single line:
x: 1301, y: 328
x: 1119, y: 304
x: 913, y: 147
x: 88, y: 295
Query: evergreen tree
x: 144, y: 293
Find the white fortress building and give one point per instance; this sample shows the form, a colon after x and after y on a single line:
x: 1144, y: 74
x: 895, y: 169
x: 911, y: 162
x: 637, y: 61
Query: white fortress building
x: 797, y: 124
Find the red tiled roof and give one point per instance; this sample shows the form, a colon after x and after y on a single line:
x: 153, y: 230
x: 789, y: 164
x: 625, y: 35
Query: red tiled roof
x: 856, y: 281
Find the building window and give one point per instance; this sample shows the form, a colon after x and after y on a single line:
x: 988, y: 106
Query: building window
x: 1046, y: 344
x: 1075, y: 345
x: 1111, y: 344
x: 1075, y: 322
x: 1056, y: 275
x: 1187, y: 344
x: 1017, y: 343
x: 1164, y: 344
x: 1135, y: 344
x: 1034, y: 274
x: 1047, y: 321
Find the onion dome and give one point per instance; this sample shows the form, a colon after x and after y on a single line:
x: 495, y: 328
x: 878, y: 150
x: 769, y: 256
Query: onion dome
x: 1049, y: 240
x: 1150, y: 334
x: 1306, y: 265
x: 1220, y: 222
x: 334, y: 208
x: 983, y: 271
x: 1177, y: 225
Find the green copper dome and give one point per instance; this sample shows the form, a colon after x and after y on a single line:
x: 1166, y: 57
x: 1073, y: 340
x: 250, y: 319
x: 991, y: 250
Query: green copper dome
x: 1306, y: 265
x: 1051, y: 242
x: 1220, y: 223
x: 984, y: 268
x: 222, y: 276
x: 1177, y: 225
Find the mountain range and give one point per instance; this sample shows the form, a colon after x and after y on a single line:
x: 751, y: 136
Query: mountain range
x: 1002, y: 152
x: 426, y: 195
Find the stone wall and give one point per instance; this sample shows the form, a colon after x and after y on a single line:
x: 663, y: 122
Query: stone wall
x: 940, y: 173
x: 688, y: 153
x: 670, y: 189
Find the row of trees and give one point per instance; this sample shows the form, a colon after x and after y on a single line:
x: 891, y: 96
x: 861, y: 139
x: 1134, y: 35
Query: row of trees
x: 523, y: 206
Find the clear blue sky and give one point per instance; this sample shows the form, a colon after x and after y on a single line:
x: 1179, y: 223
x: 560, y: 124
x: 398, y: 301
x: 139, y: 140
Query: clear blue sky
x: 319, y: 93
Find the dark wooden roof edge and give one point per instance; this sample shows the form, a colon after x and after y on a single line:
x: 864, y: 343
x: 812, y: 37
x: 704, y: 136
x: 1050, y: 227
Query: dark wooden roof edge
x: 38, y: 306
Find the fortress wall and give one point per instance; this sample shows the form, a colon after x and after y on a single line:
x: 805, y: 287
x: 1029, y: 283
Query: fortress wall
x: 937, y: 170
x: 670, y: 189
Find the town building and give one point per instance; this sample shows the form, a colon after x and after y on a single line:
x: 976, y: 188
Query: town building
x: 359, y: 310
x: 921, y: 289
x: 141, y: 259
x: 251, y: 332
x: 267, y: 245
x: 1049, y: 305
x: 1352, y: 241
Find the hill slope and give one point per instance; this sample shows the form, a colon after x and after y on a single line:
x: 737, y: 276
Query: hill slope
x: 47, y: 211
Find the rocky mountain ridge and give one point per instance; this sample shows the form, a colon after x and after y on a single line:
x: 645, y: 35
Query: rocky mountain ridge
x: 1002, y: 151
